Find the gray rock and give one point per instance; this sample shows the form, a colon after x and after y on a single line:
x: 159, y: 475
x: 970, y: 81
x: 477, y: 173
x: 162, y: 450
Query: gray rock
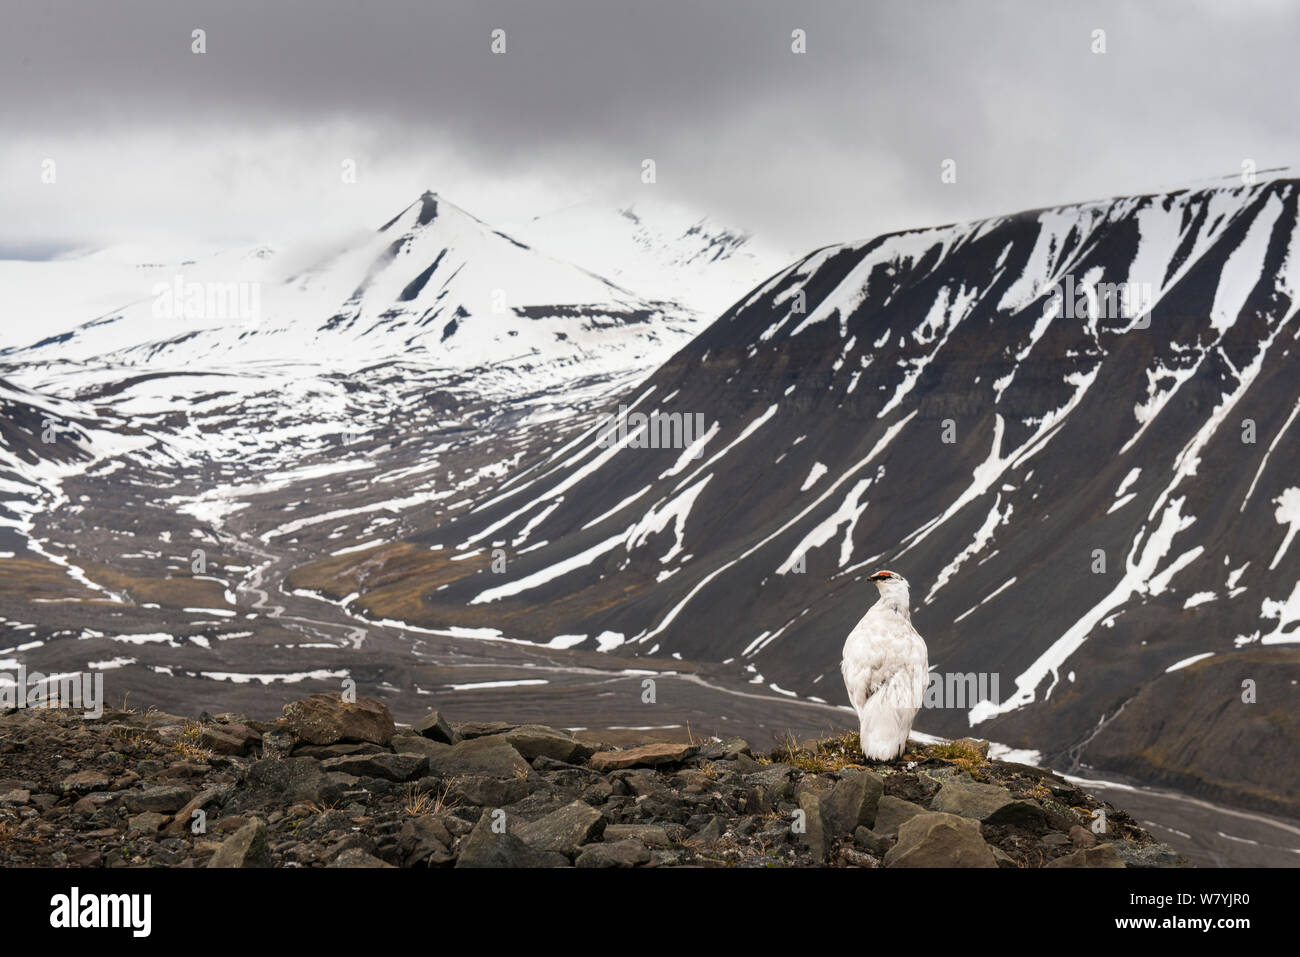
x: 165, y: 799
x: 335, y: 786
x: 769, y: 787
x: 626, y: 853
x: 278, y: 781
x: 535, y: 741
x: 598, y: 791
x: 849, y: 857
x: 490, y: 755
x: 1103, y: 855
x: 739, y: 764
x: 971, y: 799
x: 651, y: 835
x: 1002, y: 857
x: 648, y: 755
x: 564, y: 830
x: 479, y: 729
x: 486, y: 848
x: 146, y: 824
x: 83, y: 782
x: 710, y: 832
x: 184, y: 819
x: 481, y: 790
x: 390, y: 767
x: 93, y: 802
x: 327, y: 718
x: 1028, y: 814
x: 1082, y: 837
x: 247, y: 847
x: 936, y: 839
x: 435, y: 727
x: 235, y: 738
x: 891, y: 813
x: 814, y: 833
x: 871, y: 842
x: 424, y: 840
x: 415, y: 744
x: 277, y: 743
x: 772, y: 775
x: 852, y: 803
x: 356, y: 857
x: 342, y: 749
x: 1151, y: 855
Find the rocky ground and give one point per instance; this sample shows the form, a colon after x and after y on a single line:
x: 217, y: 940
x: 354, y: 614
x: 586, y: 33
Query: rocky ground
x: 338, y: 784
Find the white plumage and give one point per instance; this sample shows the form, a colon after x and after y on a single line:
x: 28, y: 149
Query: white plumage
x: 885, y: 670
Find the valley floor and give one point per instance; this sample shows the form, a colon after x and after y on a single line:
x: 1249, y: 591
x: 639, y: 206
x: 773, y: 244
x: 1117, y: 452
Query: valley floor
x: 113, y: 586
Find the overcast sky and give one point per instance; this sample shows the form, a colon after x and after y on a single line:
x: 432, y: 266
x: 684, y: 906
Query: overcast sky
x: 245, y: 143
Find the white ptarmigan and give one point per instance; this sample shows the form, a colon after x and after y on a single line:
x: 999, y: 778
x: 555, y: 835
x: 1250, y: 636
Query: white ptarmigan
x: 885, y: 668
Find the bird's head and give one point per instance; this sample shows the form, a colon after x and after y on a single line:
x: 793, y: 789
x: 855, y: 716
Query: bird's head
x: 890, y: 584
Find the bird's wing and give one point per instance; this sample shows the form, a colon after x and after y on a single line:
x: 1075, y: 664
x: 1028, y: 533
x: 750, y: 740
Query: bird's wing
x: 877, y: 649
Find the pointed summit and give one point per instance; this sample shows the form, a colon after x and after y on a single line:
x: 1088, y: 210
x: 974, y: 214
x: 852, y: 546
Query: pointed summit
x: 428, y: 203
x: 428, y: 207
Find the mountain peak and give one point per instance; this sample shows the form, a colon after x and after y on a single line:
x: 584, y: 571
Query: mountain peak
x: 428, y: 203
x: 428, y: 207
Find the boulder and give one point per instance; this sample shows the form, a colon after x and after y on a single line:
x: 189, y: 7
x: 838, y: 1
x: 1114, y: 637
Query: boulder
x: 165, y: 799
x: 891, y: 813
x: 852, y: 803
x: 626, y: 853
x: 813, y: 835
x: 356, y: 857
x: 651, y: 835
x: 327, y: 718
x: 1082, y: 837
x: 424, y: 840
x: 967, y: 798
x: 485, y: 847
x: 1150, y: 855
x: 146, y: 824
x: 1103, y: 855
x: 482, y: 790
x: 390, y: 767
x: 535, y: 741
x: 564, y: 830
x: 279, y: 781
x: 491, y: 755
x: 1027, y: 814
x: 415, y: 744
x: 184, y: 820
x: 435, y: 727
x: 83, y: 782
x: 479, y: 729
x: 649, y: 755
x: 247, y: 847
x: 937, y: 839
x: 234, y: 739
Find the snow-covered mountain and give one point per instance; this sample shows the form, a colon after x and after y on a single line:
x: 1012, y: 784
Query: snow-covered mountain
x: 433, y: 286
x: 1072, y: 429
x: 660, y: 250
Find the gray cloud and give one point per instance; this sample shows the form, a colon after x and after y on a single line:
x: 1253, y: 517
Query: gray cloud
x: 245, y: 142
